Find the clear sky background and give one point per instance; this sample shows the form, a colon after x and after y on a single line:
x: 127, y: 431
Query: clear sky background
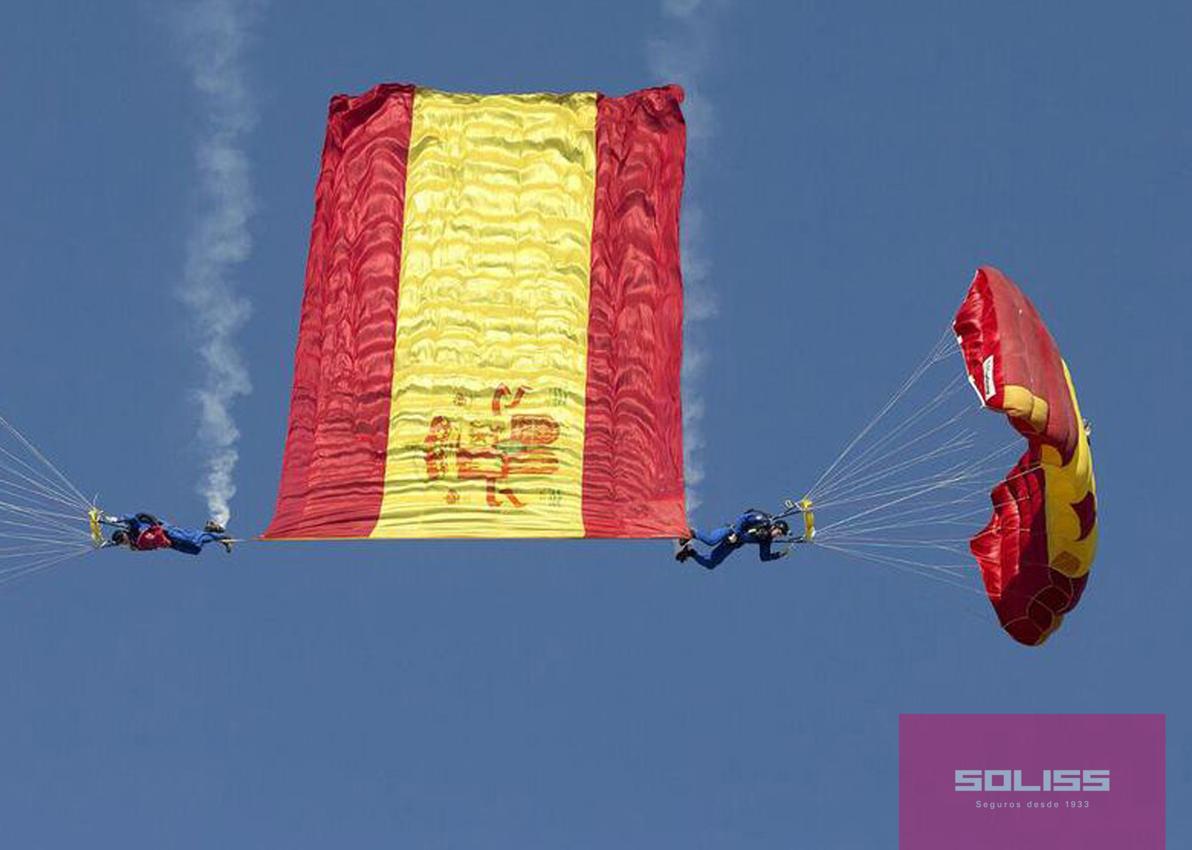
x: 857, y: 162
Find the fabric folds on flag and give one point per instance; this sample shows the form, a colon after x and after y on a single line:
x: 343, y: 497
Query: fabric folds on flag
x: 491, y: 335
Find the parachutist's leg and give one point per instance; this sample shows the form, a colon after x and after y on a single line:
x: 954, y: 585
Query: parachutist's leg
x: 713, y: 538
x: 205, y: 537
x: 189, y: 541
x: 714, y: 558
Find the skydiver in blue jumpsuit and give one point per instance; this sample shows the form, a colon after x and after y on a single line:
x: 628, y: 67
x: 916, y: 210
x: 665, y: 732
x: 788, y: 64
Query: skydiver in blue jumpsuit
x: 752, y: 526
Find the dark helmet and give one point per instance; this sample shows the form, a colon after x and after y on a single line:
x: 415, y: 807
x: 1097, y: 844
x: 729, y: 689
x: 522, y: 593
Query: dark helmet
x: 782, y: 526
x: 120, y: 537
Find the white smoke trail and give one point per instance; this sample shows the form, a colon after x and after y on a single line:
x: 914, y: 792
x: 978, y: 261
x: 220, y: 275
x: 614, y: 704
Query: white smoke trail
x: 680, y: 57
x: 213, y: 35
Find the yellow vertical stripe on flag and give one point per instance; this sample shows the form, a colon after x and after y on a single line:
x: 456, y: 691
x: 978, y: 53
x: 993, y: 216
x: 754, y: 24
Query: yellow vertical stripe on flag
x: 486, y: 430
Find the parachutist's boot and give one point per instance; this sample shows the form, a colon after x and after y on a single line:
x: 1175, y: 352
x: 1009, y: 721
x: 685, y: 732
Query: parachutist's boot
x: 683, y: 549
x: 227, y: 544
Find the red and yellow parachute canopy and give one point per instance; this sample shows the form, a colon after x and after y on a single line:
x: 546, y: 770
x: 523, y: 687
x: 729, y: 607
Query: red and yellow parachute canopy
x: 490, y: 338
x: 1036, y: 551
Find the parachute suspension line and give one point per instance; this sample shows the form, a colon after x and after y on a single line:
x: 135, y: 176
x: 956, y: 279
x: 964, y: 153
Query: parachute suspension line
x: 46, y: 515
x: 15, y: 552
x: 35, y: 488
x: 846, y: 476
x: 43, y: 557
x: 957, y: 443
x: 45, y: 480
x: 38, y: 538
x: 32, y: 449
x: 72, y: 518
x: 982, y: 471
x: 17, y: 573
x: 862, y: 491
x: 45, y: 528
x: 909, y: 490
x: 45, y: 520
x: 881, y: 450
x: 957, y: 546
x: 953, y: 576
x: 917, y: 540
x: 941, y: 511
x: 881, y: 507
x: 923, y: 570
x: 942, y: 349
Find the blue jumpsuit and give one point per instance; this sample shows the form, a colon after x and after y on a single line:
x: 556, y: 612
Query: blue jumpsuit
x: 188, y: 540
x: 748, y: 528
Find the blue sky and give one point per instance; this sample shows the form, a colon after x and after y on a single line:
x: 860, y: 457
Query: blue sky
x: 859, y: 161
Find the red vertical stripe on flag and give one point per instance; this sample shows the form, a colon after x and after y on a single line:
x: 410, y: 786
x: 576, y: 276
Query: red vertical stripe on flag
x: 334, y: 467
x: 633, y: 445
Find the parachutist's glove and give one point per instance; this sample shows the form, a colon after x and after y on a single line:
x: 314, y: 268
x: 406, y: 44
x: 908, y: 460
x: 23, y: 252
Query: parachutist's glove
x: 109, y: 519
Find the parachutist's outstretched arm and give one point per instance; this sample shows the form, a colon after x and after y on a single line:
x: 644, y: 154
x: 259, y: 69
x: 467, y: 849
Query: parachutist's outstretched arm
x: 766, y: 551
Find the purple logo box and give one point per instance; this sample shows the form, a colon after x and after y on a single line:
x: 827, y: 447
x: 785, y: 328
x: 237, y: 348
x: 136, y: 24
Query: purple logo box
x: 1047, y: 781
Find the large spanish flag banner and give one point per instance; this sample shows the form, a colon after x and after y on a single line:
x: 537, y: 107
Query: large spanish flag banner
x: 491, y: 334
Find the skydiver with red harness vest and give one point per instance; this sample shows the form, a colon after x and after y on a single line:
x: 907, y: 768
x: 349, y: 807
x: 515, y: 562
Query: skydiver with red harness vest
x: 143, y: 532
